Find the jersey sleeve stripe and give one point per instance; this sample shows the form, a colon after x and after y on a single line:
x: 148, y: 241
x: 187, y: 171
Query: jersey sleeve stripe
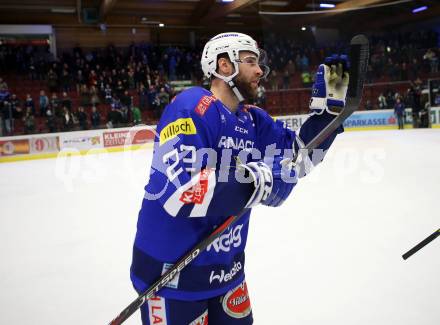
x: 173, y: 204
x: 200, y: 210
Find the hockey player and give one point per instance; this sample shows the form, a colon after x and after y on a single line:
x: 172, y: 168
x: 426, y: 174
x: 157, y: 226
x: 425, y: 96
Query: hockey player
x: 214, y: 156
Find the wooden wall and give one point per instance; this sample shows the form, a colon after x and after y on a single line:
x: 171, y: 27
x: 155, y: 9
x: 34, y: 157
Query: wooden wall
x: 165, y: 36
x: 93, y: 37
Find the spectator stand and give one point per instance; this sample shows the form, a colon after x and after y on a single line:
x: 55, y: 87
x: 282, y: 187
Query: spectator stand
x: 399, y: 62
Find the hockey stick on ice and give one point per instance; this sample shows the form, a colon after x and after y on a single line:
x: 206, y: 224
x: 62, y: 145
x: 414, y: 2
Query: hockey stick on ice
x: 359, y: 51
x: 422, y: 244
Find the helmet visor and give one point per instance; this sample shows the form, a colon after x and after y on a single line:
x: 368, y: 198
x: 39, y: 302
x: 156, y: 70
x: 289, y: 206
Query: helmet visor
x: 260, y: 60
x: 263, y: 63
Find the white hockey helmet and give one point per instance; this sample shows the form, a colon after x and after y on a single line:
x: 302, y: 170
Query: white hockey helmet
x: 232, y: 44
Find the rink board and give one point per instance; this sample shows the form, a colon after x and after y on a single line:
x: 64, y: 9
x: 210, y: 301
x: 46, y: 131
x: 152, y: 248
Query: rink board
x: 368, y: 120
x: 43, y: 146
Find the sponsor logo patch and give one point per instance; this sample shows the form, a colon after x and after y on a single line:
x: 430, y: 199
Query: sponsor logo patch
x: 196, y: 194
x: 203, y: 104
x: 235, y: 143
x: 201, y: 320
x: 227, y: 240
x: 174, y: 282
x: 80, y: 142
x: 226, y: 276
x: 118, y: 138
x: 236, y: 302
x: 42, y: 145
x: 179, y: 126
x: 121, y: 138
x: 156, y: 310
x: 14, y: 147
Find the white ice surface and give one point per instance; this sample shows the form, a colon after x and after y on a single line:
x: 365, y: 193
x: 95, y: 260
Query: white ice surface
x: 330, y: 255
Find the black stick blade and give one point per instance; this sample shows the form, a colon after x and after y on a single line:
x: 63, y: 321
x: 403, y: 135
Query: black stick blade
x: 359, y: 55
x: 422, y: 244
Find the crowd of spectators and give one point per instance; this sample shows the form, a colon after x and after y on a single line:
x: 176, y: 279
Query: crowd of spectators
x: 404, y: 56
x: 110, y: 76
x: 129, y: 81
x: 393, y: 57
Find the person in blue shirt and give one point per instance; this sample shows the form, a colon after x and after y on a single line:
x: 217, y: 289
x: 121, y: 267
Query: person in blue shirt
x: 215, y: 155
x: 399, y: 110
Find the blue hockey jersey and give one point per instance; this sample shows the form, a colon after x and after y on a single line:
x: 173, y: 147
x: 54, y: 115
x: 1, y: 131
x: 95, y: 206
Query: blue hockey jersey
x: 193, y: 188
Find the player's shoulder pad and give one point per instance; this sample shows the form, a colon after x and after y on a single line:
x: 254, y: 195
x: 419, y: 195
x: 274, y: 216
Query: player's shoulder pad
x: 184, y: 114
x: 194, y: 100
x: 261, y: 117
x: 257, y: 112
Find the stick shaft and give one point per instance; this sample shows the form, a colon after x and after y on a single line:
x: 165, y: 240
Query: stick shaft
x: 178, y: 266
x: 422, y: 244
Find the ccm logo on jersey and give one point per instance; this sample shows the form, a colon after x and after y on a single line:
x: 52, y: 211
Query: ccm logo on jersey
x: 241, y: 130
x: 226, y: 276
x: 203, y: 104
x: 196, y: 194
x: 227, y: 240
x: 180, y: 126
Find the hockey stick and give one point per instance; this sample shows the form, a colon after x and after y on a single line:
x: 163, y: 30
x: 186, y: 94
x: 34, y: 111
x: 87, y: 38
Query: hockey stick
x: 359, y: 51
x: 359, y: 55
x: 422, y: 244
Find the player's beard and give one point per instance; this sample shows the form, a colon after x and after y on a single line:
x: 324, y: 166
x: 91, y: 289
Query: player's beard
x: 245, y: 88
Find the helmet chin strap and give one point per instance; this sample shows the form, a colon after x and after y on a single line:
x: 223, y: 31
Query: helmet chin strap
x: 229, y: 81
x: 235, y: 90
